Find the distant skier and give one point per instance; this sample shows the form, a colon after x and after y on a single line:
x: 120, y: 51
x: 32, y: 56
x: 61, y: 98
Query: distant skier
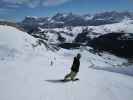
x: 51, y: 63
x: 74, y: 68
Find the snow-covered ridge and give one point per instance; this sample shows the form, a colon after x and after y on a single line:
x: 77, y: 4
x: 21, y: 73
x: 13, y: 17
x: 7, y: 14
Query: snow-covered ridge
x: 13, y: 40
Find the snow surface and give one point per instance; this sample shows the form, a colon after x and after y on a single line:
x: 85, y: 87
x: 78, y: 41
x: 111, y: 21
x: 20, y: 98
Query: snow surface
x: 14, y: 41
x: 32, y: 77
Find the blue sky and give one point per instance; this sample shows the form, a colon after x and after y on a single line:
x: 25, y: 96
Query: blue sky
x: 16, y: 10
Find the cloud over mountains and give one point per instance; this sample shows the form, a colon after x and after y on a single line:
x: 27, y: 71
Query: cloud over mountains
x: 32, y: 3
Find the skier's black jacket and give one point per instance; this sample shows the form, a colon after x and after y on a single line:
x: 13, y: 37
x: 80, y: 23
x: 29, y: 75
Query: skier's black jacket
x: 75, y: 65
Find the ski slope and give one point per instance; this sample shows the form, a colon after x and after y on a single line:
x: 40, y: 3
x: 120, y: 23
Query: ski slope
x: 37, y: 80
x: 30, y: 76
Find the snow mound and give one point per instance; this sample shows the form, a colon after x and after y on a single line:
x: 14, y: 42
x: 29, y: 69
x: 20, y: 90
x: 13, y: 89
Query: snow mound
x: 12, y: 40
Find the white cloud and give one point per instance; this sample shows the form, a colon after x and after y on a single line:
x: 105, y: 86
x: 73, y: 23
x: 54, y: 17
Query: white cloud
x: 18, y: 1
x: 12, y: 6
x: 11, y: 1
x: 35, y: 3
x: 5, y: 11
x: 54, y: 2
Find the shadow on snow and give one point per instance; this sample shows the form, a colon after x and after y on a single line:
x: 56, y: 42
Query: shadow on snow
x: 61, y: 81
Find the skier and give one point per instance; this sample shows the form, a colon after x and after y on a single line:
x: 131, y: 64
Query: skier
x: 74, y: 68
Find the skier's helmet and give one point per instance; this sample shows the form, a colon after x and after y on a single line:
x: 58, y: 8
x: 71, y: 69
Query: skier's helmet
x: 78, y: 55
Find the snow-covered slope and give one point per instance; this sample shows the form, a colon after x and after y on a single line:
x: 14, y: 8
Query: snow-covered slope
x: 36, y: 76
x: 37, y: 79
x: 14, y: 41
x: 95, y: 31
x: 124, y: 26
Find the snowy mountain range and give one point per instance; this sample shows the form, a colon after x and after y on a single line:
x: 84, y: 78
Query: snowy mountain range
x: 61, y: 20
x: 75, y: 36
x: 71, y: 31
x: 34, y: 58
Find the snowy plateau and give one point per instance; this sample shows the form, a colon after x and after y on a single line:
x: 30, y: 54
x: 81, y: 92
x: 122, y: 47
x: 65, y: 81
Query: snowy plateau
x: 26, y: 72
